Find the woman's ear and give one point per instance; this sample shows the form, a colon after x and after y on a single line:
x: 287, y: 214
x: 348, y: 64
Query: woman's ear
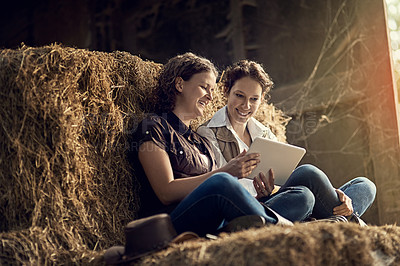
x: 226, y: 93
x: 265, y: 96
x: 179, y: 84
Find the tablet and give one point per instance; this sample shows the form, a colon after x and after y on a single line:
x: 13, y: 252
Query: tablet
x: 281, y: 157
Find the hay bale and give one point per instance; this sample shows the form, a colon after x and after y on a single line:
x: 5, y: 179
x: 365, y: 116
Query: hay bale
x: 308, y: 245
x: 65, y: 183
x: 66, y: 188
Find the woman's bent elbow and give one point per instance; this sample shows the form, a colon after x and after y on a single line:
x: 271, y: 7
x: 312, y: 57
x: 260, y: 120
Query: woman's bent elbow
x: 168, y: 198
x: 165, y: 199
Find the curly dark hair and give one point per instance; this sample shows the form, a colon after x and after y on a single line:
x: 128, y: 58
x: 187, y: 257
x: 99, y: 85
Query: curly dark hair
x: 184, y: 66
x: 246, y: 68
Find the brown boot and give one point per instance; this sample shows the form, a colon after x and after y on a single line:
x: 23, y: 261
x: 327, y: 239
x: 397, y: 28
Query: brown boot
x: 330, y: 219
x: 355, y: 219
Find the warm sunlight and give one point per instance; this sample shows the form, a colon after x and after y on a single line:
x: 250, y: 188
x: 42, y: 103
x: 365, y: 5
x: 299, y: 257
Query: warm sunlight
x: 393, y: 13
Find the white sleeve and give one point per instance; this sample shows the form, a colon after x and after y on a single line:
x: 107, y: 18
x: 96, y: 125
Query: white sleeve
x: 209, y: 134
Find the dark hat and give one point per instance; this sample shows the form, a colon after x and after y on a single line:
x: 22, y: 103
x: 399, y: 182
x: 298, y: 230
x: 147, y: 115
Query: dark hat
x: 145, y: 236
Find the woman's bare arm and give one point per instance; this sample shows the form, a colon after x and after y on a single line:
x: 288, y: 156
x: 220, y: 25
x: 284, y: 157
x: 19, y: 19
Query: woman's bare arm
x: 157, y: 167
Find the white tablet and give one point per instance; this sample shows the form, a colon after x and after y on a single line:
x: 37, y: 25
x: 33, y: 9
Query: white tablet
x: 281, y: 157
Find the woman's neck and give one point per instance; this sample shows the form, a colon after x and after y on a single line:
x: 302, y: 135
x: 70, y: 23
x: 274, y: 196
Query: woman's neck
x: 182, y: 117
x: 242, y: 132
x: 240, y: 129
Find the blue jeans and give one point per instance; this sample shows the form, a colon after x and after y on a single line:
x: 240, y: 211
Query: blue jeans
x: 222, y: 198
x: 361, y: 191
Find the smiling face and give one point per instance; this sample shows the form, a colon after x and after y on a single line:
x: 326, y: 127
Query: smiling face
x: 194, y: 94
x: 244, y: 98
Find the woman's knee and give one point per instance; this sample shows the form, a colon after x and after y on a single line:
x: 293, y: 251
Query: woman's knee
x: 309, y: 173
x: 221, y: 182
x: 367, y: 185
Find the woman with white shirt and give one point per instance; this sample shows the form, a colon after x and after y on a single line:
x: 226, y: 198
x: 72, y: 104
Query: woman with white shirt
x: 232, y: 130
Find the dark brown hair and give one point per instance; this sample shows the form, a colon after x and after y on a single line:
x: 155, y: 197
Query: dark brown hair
x: 246, y: 68
x: 184, y: 66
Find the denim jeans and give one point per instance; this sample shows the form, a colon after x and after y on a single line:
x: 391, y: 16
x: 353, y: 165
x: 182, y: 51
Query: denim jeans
x: 222, y: 198
x: 361, y: 191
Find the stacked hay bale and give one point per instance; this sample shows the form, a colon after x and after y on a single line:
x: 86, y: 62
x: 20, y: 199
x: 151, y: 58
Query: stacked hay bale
x: 66, y: 188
